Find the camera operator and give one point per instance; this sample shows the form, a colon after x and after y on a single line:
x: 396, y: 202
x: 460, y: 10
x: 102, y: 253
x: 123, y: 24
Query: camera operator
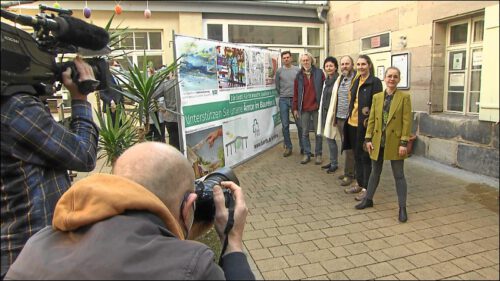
x: 133, y: 225
x: 36, y: 152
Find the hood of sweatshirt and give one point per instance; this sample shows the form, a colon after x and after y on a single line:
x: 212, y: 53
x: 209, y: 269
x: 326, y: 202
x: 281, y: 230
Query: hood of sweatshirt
x: 102, y: 196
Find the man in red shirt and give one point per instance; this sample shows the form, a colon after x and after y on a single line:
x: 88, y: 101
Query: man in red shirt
x: 306, y: 98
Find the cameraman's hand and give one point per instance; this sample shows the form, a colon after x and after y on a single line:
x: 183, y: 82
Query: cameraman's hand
x: 86, y: 73
x: 235, y: 238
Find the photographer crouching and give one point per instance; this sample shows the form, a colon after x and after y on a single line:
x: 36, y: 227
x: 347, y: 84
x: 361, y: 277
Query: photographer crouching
x: 37, y: 151
x: 133, y: 224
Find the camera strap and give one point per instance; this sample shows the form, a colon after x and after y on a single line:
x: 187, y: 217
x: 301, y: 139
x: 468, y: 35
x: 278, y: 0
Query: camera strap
x: 229, y: 226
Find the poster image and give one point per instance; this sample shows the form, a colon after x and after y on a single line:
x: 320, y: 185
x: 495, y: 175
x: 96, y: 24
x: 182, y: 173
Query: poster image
x: 229, y: 107
x: 197, y: 70
x: 236, y: 139
x: 255, y: 68
x: 271, y: 67
x: 205, y: 150
x: 231, y: 72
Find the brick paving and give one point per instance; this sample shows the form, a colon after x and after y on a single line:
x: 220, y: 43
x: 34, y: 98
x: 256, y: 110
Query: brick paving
x: 301, y: 224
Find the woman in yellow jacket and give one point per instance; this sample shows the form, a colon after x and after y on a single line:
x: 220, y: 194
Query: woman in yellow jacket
x: 387, y: 135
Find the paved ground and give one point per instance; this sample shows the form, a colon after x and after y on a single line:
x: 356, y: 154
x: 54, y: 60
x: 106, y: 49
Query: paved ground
x: 302, y: 225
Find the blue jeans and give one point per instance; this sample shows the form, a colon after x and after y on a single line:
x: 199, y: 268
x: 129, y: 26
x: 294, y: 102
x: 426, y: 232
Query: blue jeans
x: 334, y: 152
x: 305, y: 118
x: 285, y: 105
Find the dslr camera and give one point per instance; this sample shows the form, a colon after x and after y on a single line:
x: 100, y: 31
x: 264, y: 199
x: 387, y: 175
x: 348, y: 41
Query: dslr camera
x: 29, y: 61
x: 204, y: 188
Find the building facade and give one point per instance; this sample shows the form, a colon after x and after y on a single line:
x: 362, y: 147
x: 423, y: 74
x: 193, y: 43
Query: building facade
x: 278, y: 25
x: 449, y: 52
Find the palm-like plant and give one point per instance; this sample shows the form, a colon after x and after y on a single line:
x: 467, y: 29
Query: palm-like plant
x: 115, y: 137
x: 141, y: 88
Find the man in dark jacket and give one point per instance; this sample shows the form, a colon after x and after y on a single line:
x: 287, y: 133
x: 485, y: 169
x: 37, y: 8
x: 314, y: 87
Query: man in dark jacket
x: 133, y: 225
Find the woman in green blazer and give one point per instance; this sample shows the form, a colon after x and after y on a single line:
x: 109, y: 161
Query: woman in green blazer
x: 387, y: 135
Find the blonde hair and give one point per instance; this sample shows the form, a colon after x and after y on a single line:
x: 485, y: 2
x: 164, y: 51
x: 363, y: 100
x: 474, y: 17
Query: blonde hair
x: 392, y: 67
x: 313, y: 60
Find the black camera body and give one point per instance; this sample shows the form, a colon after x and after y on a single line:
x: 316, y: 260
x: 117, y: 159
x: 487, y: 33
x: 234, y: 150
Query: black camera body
x: 30, y: 60
x: 205, y: 207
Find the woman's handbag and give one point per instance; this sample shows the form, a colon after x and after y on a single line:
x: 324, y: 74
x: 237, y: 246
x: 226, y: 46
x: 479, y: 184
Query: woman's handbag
x: 409, y: 146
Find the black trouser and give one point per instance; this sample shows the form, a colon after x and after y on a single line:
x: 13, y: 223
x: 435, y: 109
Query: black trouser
x: 362, y: 159
x: 397, y: 172
x: 173, y: 134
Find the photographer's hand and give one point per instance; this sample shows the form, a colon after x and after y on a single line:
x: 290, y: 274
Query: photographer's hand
x: 235, y: 238
x: 86, y: 73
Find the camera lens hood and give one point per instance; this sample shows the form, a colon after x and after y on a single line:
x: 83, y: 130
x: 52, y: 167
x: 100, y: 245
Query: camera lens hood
x: 226, y: 172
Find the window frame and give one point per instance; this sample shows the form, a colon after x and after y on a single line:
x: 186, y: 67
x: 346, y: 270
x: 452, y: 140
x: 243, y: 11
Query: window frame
x: 303, y: 47
x: 375, y: 50
x: 135, y: 53
x: 469, y: 46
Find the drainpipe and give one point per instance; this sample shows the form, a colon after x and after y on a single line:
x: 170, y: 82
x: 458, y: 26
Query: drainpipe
x: 319, y: 11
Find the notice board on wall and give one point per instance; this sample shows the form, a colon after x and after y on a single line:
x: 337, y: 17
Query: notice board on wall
x: 402, y: 61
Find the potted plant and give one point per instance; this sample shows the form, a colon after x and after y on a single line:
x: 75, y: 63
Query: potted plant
x: 116, y: 137
x: 140, y: 87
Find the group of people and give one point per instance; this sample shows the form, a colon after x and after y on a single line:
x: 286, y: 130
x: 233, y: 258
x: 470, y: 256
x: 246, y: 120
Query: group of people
x: 133, y: 224
x: 374, y: 124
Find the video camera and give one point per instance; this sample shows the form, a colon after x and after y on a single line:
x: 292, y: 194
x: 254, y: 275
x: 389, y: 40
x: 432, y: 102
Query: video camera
x: 29, y: 61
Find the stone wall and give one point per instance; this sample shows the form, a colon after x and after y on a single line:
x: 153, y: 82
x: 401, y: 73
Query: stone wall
x: 459, y: 141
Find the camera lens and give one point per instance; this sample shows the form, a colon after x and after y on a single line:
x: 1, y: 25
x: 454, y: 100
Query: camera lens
x: 205, y: 207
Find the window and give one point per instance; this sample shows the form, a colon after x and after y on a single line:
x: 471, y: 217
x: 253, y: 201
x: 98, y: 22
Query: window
x: 296, y: 37
x: 313, y: 36
x: 214, y: 32
x: 136, y: 42
x: 288, y: 35
x: 463, y: 65
x: 378, y: 42
x: 141, y: 40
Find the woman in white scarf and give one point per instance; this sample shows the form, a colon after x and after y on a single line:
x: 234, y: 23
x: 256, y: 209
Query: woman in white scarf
x: 326, y: 112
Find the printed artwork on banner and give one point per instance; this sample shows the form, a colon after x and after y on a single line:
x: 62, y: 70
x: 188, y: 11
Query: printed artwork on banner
x: 227, y: 100
x: 231, y: 68
x: 245, y: 137
x: 205, y: 150
x: 197, y: 70
x: 271, y: 67
x: 255, y: 68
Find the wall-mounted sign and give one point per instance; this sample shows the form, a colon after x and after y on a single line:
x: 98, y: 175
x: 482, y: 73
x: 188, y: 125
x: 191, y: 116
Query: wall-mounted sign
x: 375, y: 42
x: 457, y: 80
x: 457, y: 61
x: 402, y: 62
x: 477, y: 58
x: 380, y: 72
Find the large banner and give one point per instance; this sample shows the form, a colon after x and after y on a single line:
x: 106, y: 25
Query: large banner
x: 228, y: 102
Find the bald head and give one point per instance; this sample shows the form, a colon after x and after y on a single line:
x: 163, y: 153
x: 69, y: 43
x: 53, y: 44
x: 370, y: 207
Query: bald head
x: 160, y: 168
